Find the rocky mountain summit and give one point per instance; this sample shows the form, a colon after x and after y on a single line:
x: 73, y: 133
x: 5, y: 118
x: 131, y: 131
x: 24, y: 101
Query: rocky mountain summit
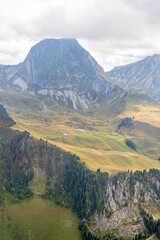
x: 63, y: 70
x: 141, y: 76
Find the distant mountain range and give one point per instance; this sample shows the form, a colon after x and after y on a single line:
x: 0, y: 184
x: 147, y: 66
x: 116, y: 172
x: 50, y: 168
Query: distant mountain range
x: 62, y: 70
x: 141, y: 76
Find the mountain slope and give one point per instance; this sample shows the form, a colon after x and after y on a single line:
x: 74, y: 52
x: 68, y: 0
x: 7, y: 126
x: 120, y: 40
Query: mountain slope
x: 23, y: 213
x: 98, y: 146
x: 141, y: 76
x: 6, y: 73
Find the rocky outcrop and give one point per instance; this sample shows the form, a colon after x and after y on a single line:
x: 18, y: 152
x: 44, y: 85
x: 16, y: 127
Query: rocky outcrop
x: 69, y: 98
x: 126, y: 221
x: 122, y: 196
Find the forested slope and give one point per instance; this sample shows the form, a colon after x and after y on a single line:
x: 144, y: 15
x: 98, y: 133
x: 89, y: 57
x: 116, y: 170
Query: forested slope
x: 102, y: 202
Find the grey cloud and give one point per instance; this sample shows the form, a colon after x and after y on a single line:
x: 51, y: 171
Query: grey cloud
x: 114, y: 31
x: 101, y: 20
x: 97, y: 20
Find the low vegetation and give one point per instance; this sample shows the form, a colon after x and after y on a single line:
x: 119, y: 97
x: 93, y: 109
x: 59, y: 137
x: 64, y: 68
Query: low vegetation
x: 152, y: 226
x: 130, y: 144
x: 127, y: 122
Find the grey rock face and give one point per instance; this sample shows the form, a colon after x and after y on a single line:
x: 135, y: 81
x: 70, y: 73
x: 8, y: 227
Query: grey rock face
x: 123, y: 220
x: 142, y: 76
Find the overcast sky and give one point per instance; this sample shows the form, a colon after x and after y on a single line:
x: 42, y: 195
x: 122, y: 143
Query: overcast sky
x: 115, y: 32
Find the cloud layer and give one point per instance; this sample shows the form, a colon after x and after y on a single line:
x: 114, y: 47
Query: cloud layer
x: 115, y: 32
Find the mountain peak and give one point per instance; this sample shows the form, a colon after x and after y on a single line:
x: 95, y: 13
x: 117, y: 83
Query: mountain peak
x: 53, y: 42
x: 72, y: 40
x: 65, y: 71
x: 57, y: 61
x: 156, y: 57
x: 60, y: 40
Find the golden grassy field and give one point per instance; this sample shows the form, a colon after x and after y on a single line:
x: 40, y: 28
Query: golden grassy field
x: 143, y: 111
x: 99, y: 147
